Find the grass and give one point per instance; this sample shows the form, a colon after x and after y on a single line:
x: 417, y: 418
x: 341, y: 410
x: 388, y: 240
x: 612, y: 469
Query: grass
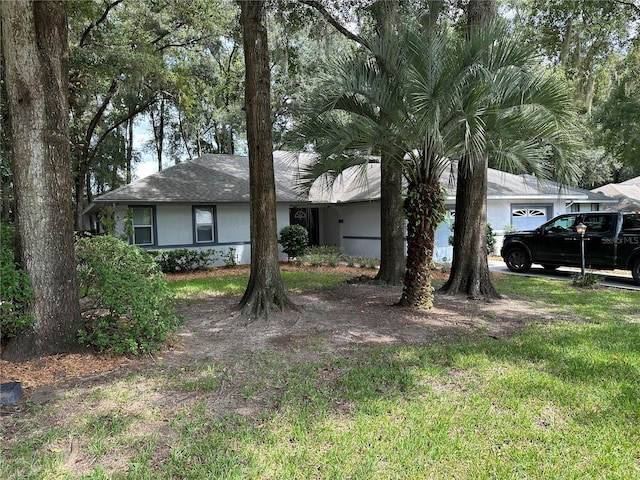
x: 560, y: 400
x: 235, y: 284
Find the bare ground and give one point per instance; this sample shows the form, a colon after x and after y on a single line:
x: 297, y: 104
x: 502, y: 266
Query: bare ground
x: 332, y: 321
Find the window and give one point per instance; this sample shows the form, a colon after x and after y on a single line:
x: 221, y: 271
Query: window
x: 204, y: 224
x: 562, y: 224
x: 142, y: 223
x: 598, y: 223
x: 595, y: 207
x: 529, y: 212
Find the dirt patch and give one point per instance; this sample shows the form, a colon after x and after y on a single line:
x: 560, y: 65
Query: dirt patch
x: 330, y: 321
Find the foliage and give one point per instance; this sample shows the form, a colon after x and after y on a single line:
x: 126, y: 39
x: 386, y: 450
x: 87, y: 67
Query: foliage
x: 618, y: 117
x: 15, y: 289
x: 106, y: 217
x: 294, y: 240
x: 582, y: 37
x: 126, y: 301
x: 121, y: 67
x: 585, y: 280
x: 229, y: 257
x: 184, y: 260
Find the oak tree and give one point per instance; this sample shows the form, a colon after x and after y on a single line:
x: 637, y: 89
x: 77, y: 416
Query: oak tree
x: 34, y: 47
x: 265, y: 289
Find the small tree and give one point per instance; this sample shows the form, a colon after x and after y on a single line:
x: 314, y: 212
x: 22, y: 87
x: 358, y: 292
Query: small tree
x: 294, y: 240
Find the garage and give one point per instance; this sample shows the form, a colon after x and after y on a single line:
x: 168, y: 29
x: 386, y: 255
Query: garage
x: 528, y: 217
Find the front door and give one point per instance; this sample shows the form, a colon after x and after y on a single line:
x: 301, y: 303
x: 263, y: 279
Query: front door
x: 309, y: 219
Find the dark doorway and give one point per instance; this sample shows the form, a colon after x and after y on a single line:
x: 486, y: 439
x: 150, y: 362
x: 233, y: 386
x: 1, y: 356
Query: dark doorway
x: 308, y: 218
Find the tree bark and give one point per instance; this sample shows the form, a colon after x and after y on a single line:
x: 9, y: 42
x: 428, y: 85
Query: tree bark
x: 265, y: 289
x: 392, y: 244
x: 392, y: 249
x: 481, y: 13
x: 470, y: 268
x: 34, y: 45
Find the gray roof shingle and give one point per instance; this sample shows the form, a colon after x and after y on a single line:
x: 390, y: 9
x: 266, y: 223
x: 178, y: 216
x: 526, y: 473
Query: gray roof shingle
x: 225, y: 179
x: 210, y: 178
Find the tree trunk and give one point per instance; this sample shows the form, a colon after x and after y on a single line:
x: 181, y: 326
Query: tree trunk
x: 481, y: 13
x: 129, y: 151
x: 392, y: 249
x: 425, y: 208
x: 392, y: 258
x: 158, y: 130
x: 34, y: 45
x: 265, y: 289
x: 470, y: 270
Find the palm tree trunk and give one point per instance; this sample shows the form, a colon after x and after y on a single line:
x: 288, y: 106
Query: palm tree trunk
x: 424, y: 207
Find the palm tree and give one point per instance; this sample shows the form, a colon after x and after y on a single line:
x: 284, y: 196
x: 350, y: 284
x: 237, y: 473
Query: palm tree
x: 447, y: 98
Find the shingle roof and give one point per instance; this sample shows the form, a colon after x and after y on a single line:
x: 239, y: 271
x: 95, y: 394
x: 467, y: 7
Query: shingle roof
x: 225, y: 179
x: 209, y: 178
x: 353, y: 186
x: 626, y: 193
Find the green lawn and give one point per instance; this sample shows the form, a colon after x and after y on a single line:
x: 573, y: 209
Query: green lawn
x: 235, y: 284
x: 560, y: 400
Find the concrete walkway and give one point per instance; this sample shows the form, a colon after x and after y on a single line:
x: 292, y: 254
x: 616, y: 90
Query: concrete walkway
x: 608, y: 279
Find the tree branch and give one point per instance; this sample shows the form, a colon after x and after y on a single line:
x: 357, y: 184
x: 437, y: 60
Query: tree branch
x: 131, y: 114
x: 335, y: 23
x: 105, y: 14
x: 189, y: 43
x: 629, y: 4
x: 113, y: 89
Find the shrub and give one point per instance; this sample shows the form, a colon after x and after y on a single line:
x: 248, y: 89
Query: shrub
x: 585, y: 280
x: 229, y: 258
x: 126, y: 302
x: 294, y: 240
x: 184, y: 260
x: 15, y: 288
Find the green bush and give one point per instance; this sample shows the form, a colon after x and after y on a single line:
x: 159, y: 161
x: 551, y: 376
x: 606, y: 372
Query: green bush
x: 184, y: 260
x: 126, y: 302
x: 294, y: 240
x: 15, y: 288
x: 585, y: 280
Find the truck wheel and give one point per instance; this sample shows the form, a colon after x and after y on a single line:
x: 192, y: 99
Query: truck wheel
x: 518, y: 260
x: 635, y: 270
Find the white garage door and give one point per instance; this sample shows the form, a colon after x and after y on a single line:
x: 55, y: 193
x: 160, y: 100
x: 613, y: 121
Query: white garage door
x: 528, y: 217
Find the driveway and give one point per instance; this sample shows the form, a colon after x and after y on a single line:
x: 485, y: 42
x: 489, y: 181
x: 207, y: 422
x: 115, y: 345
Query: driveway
x: 606, y: 278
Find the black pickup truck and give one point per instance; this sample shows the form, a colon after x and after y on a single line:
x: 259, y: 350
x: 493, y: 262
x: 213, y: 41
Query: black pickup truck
x: 611, y: 241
